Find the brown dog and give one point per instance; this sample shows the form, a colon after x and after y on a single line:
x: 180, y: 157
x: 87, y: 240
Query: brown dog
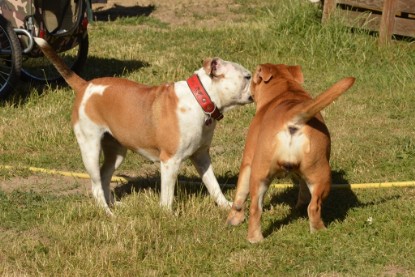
x: 286, y: 136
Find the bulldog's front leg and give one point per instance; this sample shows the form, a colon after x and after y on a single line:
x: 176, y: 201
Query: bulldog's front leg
x: 203, y: 165
x: 169, y: 170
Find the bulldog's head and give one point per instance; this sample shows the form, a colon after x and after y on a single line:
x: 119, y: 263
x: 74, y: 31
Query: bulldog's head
x: 227, y: 83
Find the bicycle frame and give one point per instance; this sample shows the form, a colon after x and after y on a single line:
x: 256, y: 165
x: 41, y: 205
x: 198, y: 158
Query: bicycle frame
x: 31, y: 18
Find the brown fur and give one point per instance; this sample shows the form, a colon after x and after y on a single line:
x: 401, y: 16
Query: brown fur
x: 287, y: 136
x: 140, y: 108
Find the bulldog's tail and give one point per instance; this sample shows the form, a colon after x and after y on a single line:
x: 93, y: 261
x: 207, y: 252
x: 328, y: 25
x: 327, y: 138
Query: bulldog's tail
x: 73, y: 79
x: 310, y: 108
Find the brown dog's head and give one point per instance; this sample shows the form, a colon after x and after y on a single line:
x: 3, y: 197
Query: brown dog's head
x: 266, y: 74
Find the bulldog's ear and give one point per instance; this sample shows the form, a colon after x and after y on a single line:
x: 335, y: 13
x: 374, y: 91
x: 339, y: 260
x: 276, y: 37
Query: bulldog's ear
x: 213, y: 67
x: 297, y: 73
x: 263, y: 73
x: 206, y: 65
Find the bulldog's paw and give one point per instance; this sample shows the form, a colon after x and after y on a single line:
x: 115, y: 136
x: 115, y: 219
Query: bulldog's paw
x: 235, y: 217
x: 225, y: 205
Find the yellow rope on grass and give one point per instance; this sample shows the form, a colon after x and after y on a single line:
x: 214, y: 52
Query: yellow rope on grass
x: 277, y: 186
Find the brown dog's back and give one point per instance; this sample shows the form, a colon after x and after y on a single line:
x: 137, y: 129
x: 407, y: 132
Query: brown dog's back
x: 304, y: 134
x: 290, y: 114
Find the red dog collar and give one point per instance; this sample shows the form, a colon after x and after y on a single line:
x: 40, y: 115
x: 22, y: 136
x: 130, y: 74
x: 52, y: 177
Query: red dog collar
x: 203, y: 99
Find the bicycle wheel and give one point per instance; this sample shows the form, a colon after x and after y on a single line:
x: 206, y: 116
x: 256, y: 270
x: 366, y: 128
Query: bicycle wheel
x: 10, y: 58
x: 41, y: 70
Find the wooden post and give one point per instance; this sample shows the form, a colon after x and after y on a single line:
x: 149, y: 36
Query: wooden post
x: 329, y: 7
x: 387, y: 22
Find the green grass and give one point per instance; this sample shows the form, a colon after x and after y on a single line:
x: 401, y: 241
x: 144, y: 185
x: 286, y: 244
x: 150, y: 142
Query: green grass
x: 370, y: 232
x: 70, y: 236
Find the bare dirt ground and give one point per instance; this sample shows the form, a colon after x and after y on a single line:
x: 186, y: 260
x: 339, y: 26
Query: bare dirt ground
x: 41, y: 183
x: 146, y: 176
x: 174, y: 13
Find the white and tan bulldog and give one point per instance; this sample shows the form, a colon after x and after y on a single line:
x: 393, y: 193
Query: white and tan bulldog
x: 166, y: 123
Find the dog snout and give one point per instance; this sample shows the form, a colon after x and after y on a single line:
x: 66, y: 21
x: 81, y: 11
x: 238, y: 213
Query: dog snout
x: 247, y: 97
x: 248, y: 78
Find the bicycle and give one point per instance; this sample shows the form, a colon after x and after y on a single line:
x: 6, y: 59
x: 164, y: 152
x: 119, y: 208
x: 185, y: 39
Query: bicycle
x: 62, y: 23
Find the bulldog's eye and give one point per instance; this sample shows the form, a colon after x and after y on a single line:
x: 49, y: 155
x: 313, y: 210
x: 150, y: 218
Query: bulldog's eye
x: 248, y: 77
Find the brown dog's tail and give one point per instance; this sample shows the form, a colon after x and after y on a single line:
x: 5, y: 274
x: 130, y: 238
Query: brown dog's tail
x: 73, y: 79
x: 310, y: 108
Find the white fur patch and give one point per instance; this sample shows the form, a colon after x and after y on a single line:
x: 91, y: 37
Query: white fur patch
x: 291, y: 147
x: 40, y: 41
x: 311, y: 188
x: 89, y: 91
x: 193, y: 131
x: 263, y: 187
x: 94, y: 89
x: 87, y: 127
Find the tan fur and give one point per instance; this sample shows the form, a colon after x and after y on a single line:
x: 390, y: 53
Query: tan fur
x: 287, y: 136
x: 164, y: 123
x: 150, y: 104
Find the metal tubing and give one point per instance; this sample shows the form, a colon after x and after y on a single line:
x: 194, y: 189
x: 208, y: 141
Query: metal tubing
x: 25, y: 32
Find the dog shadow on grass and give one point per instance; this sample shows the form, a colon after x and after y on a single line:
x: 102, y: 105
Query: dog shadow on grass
x: 185, y: 185
x: 137, y: 184
x: 109, y: 67
x: 118, y: 11
x: 94, y: 68
x: 335, y: 207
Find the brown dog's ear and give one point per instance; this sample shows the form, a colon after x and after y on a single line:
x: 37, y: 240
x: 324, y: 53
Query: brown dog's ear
x: 263, y: 73
x: 297, y: 73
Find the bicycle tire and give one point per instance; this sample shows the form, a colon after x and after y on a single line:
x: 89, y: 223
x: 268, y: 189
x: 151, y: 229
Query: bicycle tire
x: 42, y: 71
x: 10, y: 58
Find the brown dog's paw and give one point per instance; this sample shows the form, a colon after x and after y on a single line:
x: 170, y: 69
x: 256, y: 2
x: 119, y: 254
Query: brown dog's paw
x: 235, y: 217
x: 255, y: 238
x: 317, y: 226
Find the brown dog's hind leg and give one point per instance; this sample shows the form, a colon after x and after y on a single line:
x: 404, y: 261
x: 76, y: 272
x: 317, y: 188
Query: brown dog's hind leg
x: 304, y: 195
x: 258, y: 188
x: 237, y: 213
x: 319, y: 188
